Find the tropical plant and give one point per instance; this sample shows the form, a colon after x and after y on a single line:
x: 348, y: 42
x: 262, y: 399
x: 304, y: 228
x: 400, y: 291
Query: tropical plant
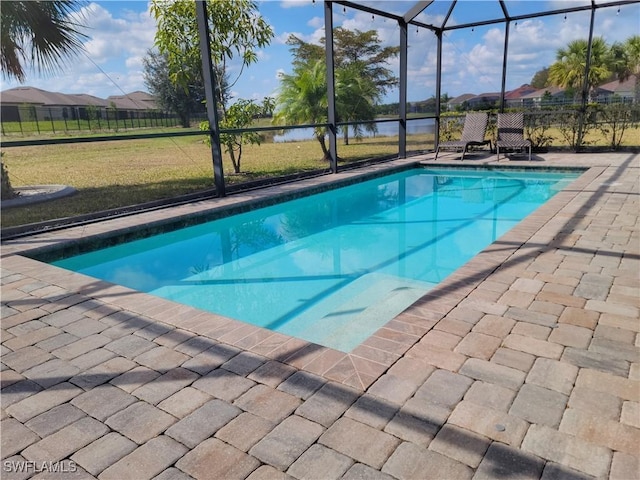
x: 42, y: 35
x: 569, y: 69
x: 616, y: 118
x: 302, y: 98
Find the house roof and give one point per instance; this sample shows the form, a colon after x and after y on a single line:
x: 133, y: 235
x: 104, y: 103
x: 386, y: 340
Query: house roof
x: 519, y: 92
x: 617, y: 86
x: 553, y: 90
x: 36, y: 96
x: 461, y: 98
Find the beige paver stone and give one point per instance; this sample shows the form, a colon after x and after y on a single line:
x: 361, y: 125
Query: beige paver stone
x: 328, y: 404
x: 568, y: 450
x: 631, y: 414
x: 494, y: 325
x: 134, y: 378
x: 528, y: 316
x: 320, y: 459
x: 618, y: 334
x: 595, y: 360
x: 25, y: 358
x: 302, y: 384
x: 571, y: 336
x: 286, y: 442
x: 554, y: 471
x: 165, y: 385
x: 418, y: 422
x: 478, y: 345
x: 103, y: 401
x: 624, y: 466
x: 85, y: 327
x: 31, y: 338
x: 444, y: 388
x: 62, y: 318
x: 503, y: 461
x: 619, y: 321
x: 209, y: 359
x: 393, y: 389
x: 533, y: 346
x: 490, y: 423
x: 43, y: 401
x: 57, y: 341
x: 202, y: 422
x: 460, y: 444
x: 66, y: 441
x: 102, y: 373
x: 517, y: 299
x: 600, y: 431
x: 215, y: 459
x: 15, y: 437
x: 146, y: 461
x: 513, y: 359
x: 596, y: 403
x: 53, y: 420
x: 360, y: 442
x: 140, y: 422
x: 130, y: 346
x: 539, y: 405
x: 272, y: 373
x: 184, y: 401
x: 245, y: 430
x: 490, y: 396
x: 530, y: 330
x: 440, y: 357
x: 579, y: 317
x: 409, y: 462
x: 91, y: 359
x: 103, y: 452
x: 244, y: 363
x: 491, y: 372
x: 607, y: 383
x: 51, y: 372
x: 455, y: 327
x: 267, y: 472
x: 615, y: 349
x: 613, y: 308
x: 161, y: 358
x: 372, y: 411
x: 554, y: 375
x: 81, y: 347
x: 223, y: 384
x: 268, y: 403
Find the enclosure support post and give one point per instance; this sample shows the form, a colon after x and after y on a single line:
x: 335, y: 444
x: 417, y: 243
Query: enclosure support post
x: 402, y: 130
x: 504, y: 65
x: 436, y: 133
x: 585, y: 85
x: 208, y: 75
x: 331, y: 87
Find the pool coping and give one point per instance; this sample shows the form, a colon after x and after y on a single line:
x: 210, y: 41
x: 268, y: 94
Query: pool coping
x: 359, y: 368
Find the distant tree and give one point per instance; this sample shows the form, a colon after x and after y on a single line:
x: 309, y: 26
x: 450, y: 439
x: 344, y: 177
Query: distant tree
x: 361, y: 79
x: 184, y: 101
x: 540, y: 78
x: 624, y: 61
x: 569, y: 69
x: 237, y: 30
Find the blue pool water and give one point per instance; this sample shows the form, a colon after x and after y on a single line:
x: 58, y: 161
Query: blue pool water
x: 334, y: 267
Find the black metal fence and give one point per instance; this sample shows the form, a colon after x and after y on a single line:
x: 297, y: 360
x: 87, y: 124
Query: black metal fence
x: 29, y: 120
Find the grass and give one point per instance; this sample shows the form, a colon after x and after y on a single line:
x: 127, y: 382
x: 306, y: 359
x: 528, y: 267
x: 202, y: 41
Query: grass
x: 115, y: 174
x: 121, y: 173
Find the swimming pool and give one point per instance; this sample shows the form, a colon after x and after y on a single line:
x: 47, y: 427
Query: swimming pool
x: 333, y: 267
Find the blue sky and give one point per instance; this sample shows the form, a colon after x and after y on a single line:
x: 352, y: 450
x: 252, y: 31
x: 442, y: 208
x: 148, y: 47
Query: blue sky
x: 121, y: 32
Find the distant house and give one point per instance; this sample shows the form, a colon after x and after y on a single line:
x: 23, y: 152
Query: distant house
x: 458, y: 102
x: 623, y: 92
x: 544, y: 97
x: 484, y: 101
x: 44, y: 105
x: 514, y: 98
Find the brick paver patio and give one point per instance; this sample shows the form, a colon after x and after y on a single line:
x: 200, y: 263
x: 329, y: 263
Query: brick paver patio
x: 525, y: 363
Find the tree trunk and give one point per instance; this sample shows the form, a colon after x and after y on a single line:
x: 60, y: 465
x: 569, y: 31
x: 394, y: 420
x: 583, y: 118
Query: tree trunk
x: 323, y: 146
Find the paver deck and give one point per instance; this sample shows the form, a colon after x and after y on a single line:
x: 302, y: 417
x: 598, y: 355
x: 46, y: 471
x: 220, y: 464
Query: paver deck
x: 524, y: 363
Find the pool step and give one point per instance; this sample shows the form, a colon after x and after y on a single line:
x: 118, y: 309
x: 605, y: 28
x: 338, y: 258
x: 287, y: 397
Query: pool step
x: 347, y: 317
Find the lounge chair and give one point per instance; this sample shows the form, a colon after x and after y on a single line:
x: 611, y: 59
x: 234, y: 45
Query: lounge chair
x: 473, y: 132
x: 511, y: 133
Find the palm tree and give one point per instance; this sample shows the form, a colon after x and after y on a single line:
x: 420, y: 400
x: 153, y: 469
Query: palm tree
x: 569, y: 69
x: 302, y: 98
x: 625, y: 62
x: 356, y: 97
x: 41, y: 34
